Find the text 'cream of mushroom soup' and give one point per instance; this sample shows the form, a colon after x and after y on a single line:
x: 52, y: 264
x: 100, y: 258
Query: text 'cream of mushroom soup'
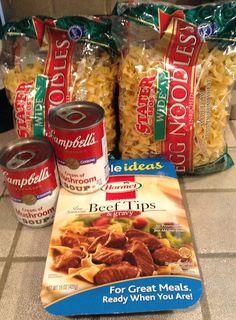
x: 30, y: 174
x: 79, y: 138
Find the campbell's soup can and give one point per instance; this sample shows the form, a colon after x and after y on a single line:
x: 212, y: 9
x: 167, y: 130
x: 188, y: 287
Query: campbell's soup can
x: 30, y: 173
x: 79, y: 138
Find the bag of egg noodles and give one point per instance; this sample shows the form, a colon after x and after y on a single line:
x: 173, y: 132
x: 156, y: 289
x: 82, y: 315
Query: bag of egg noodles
x: 177, y: 70
x: 47, y: 62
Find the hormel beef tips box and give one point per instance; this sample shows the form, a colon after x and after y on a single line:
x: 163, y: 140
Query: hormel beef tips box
x: 126, y: 248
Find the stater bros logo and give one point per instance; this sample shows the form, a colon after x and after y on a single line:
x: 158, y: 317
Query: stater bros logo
x: 77, y: 32
x: 206, y: 30
x: 121, y: 186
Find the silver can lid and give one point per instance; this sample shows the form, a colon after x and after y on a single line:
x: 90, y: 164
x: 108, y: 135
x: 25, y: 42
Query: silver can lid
x: 25, y: 153
x: 74, y: 116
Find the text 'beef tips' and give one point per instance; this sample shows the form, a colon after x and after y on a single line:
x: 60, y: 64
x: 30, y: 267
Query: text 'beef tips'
x: 118, y: 272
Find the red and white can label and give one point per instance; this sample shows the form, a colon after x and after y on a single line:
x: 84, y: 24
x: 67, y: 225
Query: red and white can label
x: 82, y: 158
x: 34, y: 193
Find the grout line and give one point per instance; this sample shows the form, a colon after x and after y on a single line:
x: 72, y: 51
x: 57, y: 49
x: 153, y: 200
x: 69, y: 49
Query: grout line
x: 214, y: 190
x: 52, y: 7
x: 205, y: 309
x: 5, y: 196
x: 85, y: 317
x: 2, y: 259
x: 180, y: 179
x: 2, y: 195
x: 215, y: 255
x: 8, y: 263
x: 233, y: 129
x: 206, y: 313
x: 108, y: 8
x: 29, y: 259
x: 187, y: 210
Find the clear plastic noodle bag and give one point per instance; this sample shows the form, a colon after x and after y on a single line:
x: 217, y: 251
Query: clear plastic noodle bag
x: 176, y: 75
x: 95, y: 80
x: 47, y: 62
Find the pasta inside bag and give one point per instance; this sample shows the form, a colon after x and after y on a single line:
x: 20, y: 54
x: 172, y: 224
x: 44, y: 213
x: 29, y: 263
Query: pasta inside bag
x: 48, y: 62
x: 176, y: 75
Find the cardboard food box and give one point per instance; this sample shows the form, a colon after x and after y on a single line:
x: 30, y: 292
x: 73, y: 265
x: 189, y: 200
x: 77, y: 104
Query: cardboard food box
x: 123, y: 249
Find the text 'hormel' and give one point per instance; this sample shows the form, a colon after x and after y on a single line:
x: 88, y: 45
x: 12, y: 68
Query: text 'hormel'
x: 121, y: 186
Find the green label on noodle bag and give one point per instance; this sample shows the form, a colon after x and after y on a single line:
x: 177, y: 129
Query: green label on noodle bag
x: 39, y: 105
x: 161, y: 106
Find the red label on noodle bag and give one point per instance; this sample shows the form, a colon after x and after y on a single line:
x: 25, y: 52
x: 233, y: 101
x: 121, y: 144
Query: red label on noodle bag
x: 180, y: 62
x: 58, y: 69
x: 23, y: 109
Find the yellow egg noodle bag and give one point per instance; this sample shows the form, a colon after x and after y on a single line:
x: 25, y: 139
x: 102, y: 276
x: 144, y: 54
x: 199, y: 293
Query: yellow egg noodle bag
x: 47, y: 62
x: 177, y: 70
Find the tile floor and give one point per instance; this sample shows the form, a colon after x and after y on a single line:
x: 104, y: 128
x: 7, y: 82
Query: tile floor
x: 210, y: 203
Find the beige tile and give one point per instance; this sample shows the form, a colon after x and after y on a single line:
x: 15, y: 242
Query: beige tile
x: 110, y: 5
x: 21, y: 296
x: 193, y: 313
x: 6, y: 137
x: 8, y: 224
x: 213, y: 218
x: 1, y: 268
x: 21, y: 9
x: 2, y: 184
x: 220, y: 180
x: 233, y: 98
x: 233, y: 108
x: 234, y: 95
x: 75, y: 7
x: 231, y: 141
x: 233, y: 122
x: 33, y: 242
x: 219, y: 275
